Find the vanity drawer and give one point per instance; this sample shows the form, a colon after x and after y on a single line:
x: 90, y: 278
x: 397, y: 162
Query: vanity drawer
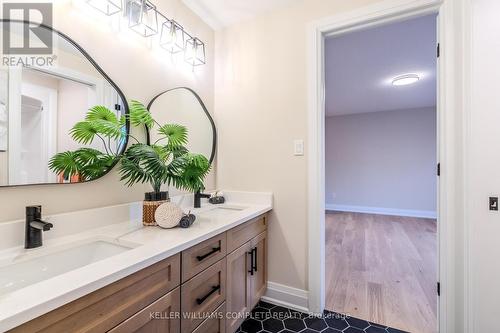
x: 158, y: 317
x: 107, y: 307
x: 201, y: 256
x: 216, y: 323
x: 245, y: 232
x: 202, y: 295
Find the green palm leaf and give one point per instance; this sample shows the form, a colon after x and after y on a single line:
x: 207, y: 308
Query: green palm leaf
x: 139, y: 115
x: 100, y: 112
x: 132, y: 172
x: 88, y: 163
x: 177, y: 135
x: 65, y: 163
x: 108, y: 129
x: 83, y: 132
x: 178, y: 151
x: 93, y: 163
x: 194, y: 170
x: 142, y: 163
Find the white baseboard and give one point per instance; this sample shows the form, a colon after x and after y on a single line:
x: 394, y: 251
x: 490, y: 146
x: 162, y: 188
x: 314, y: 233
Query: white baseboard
x: 382, y: 211
x: 293, y: 298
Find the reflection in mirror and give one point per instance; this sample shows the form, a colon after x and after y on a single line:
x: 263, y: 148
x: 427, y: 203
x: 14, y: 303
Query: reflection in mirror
x: 39, y: 105
x: 184, y: 107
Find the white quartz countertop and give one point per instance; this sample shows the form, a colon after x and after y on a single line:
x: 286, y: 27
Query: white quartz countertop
x: 152, y: 245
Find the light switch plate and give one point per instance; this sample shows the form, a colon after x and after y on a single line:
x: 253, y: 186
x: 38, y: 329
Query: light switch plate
x: 493, y: 203
x: 298, y: 147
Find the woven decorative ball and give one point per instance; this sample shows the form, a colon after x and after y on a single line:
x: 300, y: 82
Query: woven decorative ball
x: 168, y: 215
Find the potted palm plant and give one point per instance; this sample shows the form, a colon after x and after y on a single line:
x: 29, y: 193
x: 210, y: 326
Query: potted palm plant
x: 166, y: 161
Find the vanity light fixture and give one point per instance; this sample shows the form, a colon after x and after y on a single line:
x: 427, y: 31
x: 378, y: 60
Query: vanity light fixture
x: 142, y: 17
x: 195, y: 52
x: 172, y: 36
x: 404, y: 80
x: 108, y: 7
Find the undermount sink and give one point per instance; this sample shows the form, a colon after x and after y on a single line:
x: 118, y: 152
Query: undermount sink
x: 42, y: 264
x: 221, y: 211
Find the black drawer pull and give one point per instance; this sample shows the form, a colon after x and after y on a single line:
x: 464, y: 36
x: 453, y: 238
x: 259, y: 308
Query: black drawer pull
x: 201, y: 258
x: 251, y: 261
x: 204, y: 298
x: 255, y: 259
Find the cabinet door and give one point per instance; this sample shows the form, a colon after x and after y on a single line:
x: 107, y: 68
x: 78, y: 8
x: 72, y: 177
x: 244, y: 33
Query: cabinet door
x: 238, y: 286
x: 259, y: 277
x: 159, y: 317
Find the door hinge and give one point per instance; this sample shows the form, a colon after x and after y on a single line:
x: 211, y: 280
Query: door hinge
x: 439, y: 289
x: 438, y: 50
x: 439, y: 169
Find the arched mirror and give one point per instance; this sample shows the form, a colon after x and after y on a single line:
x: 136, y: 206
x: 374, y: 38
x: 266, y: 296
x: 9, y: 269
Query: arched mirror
x: 184, y: 107
x: 48, y: 84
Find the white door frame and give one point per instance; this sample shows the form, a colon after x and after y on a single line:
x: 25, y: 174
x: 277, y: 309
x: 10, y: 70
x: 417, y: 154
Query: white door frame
x: 377, y: 14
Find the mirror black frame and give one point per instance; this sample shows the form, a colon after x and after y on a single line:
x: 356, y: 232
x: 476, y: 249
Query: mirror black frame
x: 214, y: 129
x: 101, y: 71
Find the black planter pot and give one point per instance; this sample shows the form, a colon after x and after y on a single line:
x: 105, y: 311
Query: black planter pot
x: 156, y: 196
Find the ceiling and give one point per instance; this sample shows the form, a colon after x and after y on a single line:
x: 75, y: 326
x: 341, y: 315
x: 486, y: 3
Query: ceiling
x: 360, y: 67
x: 222, y: 13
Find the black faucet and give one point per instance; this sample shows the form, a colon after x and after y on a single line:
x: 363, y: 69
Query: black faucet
x: 34, y: 227
x: 197, y: 198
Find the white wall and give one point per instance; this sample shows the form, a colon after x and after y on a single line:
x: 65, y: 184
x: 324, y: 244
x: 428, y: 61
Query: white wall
x: 261, y: 107
x: 483, y: 166
x: 382, y: 162
x: 141, y: 72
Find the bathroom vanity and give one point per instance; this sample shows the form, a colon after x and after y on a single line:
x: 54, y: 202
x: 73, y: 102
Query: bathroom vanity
x: 202, y: 279
x: 102, y: 270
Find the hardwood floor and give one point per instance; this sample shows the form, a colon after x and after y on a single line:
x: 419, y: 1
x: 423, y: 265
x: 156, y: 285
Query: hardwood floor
x: 382, y: 269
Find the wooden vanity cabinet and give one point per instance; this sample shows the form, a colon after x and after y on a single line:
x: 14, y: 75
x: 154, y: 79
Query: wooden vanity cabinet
x: 105, y: 308
x: 216, y: 282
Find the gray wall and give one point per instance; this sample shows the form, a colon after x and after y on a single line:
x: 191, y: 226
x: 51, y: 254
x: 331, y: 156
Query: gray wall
x: 382, y: 162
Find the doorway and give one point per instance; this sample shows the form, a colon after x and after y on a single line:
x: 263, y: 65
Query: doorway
x: 371, y: 16
x: 380, y: 174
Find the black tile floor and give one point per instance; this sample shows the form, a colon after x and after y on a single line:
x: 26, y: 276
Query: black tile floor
x: 268, y: 318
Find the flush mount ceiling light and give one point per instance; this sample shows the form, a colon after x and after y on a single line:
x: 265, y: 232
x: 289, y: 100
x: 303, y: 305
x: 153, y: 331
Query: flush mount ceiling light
x: 404, y: 80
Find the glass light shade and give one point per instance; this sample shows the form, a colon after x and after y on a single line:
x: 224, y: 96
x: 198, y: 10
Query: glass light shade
x: 195, y: 52
x: 405, y: 80
x: 172, y: 37
x: 143, y: 17
x: 108, y: 7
